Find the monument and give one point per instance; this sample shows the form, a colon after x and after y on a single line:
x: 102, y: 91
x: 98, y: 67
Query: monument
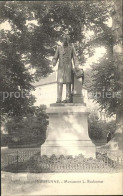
x: 67, y: 133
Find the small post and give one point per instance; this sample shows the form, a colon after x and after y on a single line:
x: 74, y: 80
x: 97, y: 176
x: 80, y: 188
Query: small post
x: 107, y: 161
x: 8, y: 159
x: 17, y: 161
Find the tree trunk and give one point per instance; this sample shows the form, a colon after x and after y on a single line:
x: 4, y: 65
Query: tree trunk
x: 116, y: 142
x: 115, y: 146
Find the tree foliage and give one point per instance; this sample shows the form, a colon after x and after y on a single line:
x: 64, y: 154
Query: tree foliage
x: 29, y: 130
x: 32, y: 44
x: 98, y: 129
x: 107, y: 77
x: 105, y: 86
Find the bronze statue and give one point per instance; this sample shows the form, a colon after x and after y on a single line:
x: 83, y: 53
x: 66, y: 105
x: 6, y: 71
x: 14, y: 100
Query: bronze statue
x: 65, y: 54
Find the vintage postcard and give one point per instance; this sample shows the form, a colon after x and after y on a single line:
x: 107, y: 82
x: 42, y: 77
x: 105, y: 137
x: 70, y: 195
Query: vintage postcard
x: 61, y: 97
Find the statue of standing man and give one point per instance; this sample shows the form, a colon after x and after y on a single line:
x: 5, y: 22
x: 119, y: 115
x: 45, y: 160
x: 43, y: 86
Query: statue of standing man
x: 65, y: 54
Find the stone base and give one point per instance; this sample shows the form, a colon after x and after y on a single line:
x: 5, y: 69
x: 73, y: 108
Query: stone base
x: 67, y: 133
x: 66, y: 148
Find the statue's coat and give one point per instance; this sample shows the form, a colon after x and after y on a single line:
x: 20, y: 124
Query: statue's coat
x: 65, y: 56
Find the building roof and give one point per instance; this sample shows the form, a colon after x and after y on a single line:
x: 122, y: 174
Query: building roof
x: 47, y: 80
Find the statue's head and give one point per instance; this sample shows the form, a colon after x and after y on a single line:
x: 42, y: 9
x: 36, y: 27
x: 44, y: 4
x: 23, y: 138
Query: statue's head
x: 66, y: 39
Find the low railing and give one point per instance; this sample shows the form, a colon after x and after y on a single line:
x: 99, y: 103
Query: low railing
x: 78, y: 164
x: 111, y: 155
x: 16, y: 159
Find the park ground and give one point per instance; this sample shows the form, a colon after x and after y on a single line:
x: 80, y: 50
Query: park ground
x: 61, y: 183
x: 22, y: 184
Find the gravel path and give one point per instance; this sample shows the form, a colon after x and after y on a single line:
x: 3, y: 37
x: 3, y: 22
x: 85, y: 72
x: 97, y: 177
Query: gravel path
x: 58, y: 183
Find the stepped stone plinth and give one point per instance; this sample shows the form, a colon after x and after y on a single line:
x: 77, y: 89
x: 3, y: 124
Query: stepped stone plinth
x: 67, y: 133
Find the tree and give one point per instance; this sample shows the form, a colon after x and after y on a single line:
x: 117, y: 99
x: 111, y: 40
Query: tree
x: 33, y: 44
x: 4, y: 140
x: 95, y: 131
x: 108, y: 77
x: 29, y: 130
x: 17, y: 52
x: 88, y: 80
x: 29, y: 45
x: 99, y: 129
x: 116, y: 142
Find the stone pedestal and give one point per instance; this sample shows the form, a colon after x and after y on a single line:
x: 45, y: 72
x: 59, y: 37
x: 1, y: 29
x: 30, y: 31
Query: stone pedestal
x: 67, y: 133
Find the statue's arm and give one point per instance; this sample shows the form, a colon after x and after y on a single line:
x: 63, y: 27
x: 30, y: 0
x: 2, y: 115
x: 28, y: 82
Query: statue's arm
x: 56, y: 56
